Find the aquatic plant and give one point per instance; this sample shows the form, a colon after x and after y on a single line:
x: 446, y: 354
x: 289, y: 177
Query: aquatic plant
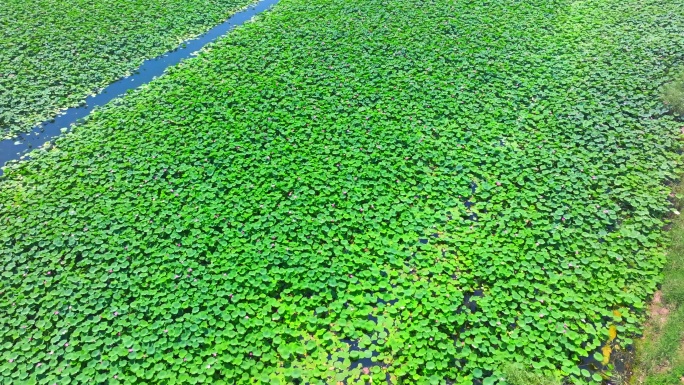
x: 54, y: 53
x: 411, y: 190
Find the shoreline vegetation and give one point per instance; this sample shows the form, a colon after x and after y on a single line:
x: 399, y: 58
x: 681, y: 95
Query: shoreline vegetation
x: 353, y: 191
x: 660, y: 352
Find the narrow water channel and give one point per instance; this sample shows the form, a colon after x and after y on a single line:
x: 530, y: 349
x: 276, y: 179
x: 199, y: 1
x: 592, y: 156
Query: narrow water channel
x: 16, y: 148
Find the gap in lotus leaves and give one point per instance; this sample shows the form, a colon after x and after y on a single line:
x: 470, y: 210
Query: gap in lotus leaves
x: 612, y: 353
x: 470, y: 299
x: 363, y: 362
x: 623, y: 361
x: 17, y: 148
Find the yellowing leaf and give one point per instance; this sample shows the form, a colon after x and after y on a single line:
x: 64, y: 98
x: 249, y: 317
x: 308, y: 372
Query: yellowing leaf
x: 612, y: 332
x: 606, y: 350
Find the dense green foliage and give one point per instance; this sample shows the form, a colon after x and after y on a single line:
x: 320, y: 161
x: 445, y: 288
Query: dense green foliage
x: 335, y: 181
x: 54, y: 53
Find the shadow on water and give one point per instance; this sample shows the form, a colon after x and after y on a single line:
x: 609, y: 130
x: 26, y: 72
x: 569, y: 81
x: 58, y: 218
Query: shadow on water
x: 621, y: 358
x: 365, y: 359
x: 425, y: 241
x: 365, y: 362
x: 470, y: 300
x: 16, y: 148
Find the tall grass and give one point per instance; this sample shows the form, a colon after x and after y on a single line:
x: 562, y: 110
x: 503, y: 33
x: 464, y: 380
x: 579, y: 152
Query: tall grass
x: 660, y: 356
x: 673, y: 94
x: 518, y: 374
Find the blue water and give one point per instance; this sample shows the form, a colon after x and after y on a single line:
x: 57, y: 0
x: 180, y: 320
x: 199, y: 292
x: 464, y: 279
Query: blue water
x: 15, y: 148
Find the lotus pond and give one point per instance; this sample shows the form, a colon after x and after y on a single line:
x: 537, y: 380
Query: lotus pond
x: 404, y: 190
x: 54, y: 53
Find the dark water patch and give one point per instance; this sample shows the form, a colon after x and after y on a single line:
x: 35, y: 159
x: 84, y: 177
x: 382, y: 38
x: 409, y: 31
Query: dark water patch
x: 365, y: 362
x: 16, y: 148
x: 621, y: 359
x: 390, y: 302
x: 591, y: 364
x: 623, y: 362
x: 470, y: 300
x: 472, y: 216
